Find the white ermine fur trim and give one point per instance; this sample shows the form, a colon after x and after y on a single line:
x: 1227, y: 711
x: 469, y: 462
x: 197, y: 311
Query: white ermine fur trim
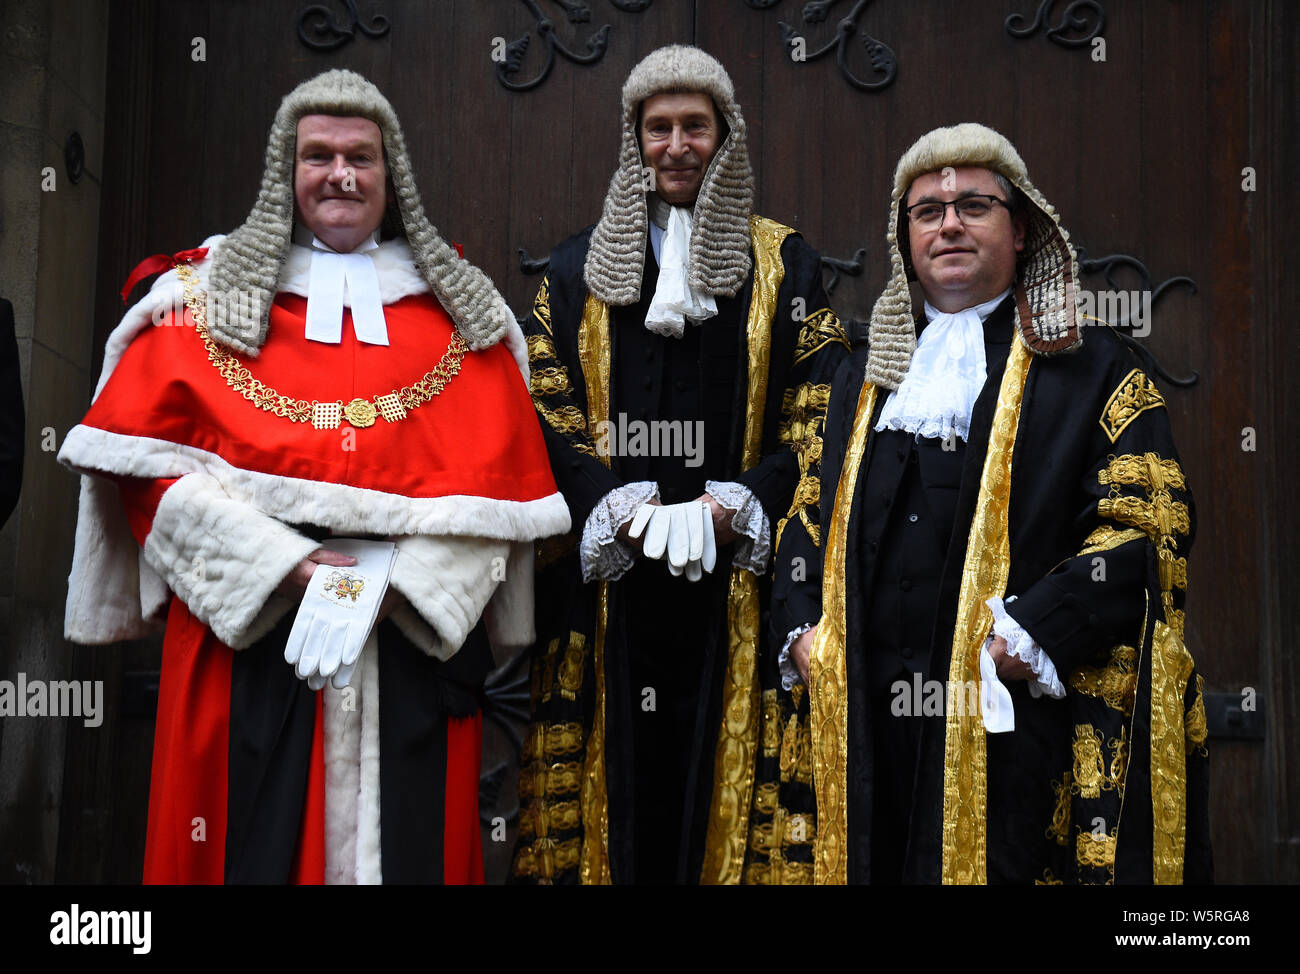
x: 105, y: 597
x: 339, y: 507
x: 223, y: 559
x: 509, y: 615
x: 448, y: 581
x: 369, y: 871
x: 342, y: 779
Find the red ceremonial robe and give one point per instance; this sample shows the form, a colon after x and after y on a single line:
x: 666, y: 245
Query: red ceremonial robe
x: 468, y: 463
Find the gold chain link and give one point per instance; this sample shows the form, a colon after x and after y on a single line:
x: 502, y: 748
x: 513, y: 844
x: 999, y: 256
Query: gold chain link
x: 239, y: 378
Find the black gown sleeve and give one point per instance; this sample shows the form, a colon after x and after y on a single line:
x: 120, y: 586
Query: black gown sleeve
x: 797, y: 569
x: 560, y: 400
x: 1133, y: 510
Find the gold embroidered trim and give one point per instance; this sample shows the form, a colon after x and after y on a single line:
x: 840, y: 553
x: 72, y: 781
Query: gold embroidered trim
x: 793, y: 830
x: 1107, y: 538
x: 1049, y: 879
x: 804, y: 409
x: 1132, y: 397
x: 1171, y: 667
x: 1059, y: 830
x: 594, y: 866
x: 360, y: 413
x: 796, y: 751
x: 766, y: 237
x: 771, y: 724
x: 549, y: 381
x: 1118, y: 773
x: 1095, y: 850
x: 736, y: 750
x: 766, y: 796
x: 819, y: 329
x: 1194, y: 724
x: 570, y: 670
x: 549, y: 780
x: 1115, y: 683
x: 771, y: 841
x: 1149, y: 470
x: 988, y: 564
x: 541, y: 347
x: 828, y: 693
x: 593, y: 357
x: 542, y: 307
x: 782, y: 874
x: 545, y: 857
x: 541, y: 819
x: 1089, y: 774
x: 545, y: 741
x: 565, y: 419
x: 1158, y: 519
x: 1172, y: 570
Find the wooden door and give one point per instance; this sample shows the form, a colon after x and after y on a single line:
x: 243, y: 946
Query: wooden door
x: 1138, y: 122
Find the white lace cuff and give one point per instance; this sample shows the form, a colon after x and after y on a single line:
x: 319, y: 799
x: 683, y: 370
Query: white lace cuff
x: 749, y: 522
x: 602, y: 555
x: 1022, y: 646
x: 790, y: 677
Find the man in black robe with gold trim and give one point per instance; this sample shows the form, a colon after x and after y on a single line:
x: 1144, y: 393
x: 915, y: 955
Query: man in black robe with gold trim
x: 1000, y: 689
x: 680, y: 350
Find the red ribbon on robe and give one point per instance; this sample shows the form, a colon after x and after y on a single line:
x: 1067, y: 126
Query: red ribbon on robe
x: 159, y: 263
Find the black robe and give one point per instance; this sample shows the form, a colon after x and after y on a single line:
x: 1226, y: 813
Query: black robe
x: 1108, y: 784
x: 618, y: 784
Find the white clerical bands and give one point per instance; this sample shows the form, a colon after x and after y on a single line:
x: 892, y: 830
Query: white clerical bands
x: 681, y: 533
x: 331, y: 273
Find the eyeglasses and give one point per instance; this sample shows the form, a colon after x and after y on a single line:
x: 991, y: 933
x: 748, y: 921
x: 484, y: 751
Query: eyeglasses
x: 930, y: 214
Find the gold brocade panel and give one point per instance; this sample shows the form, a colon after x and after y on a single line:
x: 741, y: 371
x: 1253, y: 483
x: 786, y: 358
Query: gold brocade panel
x: 736, y: 750
x: 828, y: 669
x: 985, y: 573
x: 803, y: 412
x: 1171, y: 670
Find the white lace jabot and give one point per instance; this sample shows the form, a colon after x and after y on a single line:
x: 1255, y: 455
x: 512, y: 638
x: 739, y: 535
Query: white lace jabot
x: 945, y: 377
x: 675, y: 300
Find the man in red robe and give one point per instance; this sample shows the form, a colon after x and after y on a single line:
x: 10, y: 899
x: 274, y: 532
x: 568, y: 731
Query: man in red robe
x: 332, y: 367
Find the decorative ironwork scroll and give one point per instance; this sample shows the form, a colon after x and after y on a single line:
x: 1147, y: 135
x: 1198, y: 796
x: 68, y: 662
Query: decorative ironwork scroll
x: 1077, y: 17
x: 837, y: 266
x: 882, y: 58
x: 318, y: 29
x: 1106, y: 266
x: 511, y: 58
x: 532, y: 265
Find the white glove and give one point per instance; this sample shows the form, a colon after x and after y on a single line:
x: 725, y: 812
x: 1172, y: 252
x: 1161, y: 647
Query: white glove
x: 338, y: 611
x: 318, y: 647
x: 683, y: 533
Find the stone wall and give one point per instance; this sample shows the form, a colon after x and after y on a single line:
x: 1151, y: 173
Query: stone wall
x: 52, y: 84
